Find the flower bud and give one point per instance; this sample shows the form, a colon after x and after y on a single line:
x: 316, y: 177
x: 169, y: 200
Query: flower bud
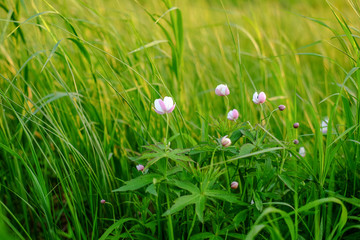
x: 296, y: 125
x: 140, y: 167
x: 233, y: 115
x: 259, y: 98
x: 296, y: 141
x: 225, y: 141
x: 222, y: 90
x: 282, y: 107
x: 102, y: 201
x: 234, y: 185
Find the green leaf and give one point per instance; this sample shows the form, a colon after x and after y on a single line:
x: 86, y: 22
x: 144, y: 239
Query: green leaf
x: 258, y: 202
x: 151, y: 189
x: 225, y: 196
x: 137, y: 183
x: 200, y: 207
x: 240, y: 217
x: 115, y: 226
x: 174, y: 170
x: 287, y: 181
x: 182, y: 202
x: 200, y: 236
x: 235, y: 136
x: 187, y: 186
x: 246, y: 149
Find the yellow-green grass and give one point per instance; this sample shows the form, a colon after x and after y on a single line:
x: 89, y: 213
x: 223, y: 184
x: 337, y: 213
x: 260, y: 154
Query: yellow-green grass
x: 78, y: 82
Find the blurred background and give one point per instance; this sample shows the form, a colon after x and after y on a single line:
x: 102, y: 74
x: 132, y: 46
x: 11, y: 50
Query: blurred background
x: 79, y: 78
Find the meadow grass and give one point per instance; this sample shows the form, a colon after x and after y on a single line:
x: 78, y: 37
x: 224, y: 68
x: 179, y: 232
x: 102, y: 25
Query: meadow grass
x: 78, y: 80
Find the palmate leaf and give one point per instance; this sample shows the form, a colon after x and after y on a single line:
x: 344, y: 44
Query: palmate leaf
x: 137, y: 183
x: 157, y: 152
x: 199, y: 199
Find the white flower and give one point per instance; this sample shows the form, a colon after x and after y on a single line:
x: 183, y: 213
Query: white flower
x: 164, y: 106
x: 302, y: 152
x: 324, y: 125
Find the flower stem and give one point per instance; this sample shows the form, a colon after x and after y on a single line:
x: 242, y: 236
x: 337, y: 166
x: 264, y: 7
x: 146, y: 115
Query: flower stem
x: 167, y: 130
x: 227, y: 172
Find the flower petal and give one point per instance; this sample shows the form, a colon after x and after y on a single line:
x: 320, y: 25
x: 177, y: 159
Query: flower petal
x: 217, y: 91
x: 230, y: 116
x: 255, y: 98
x: 159, y: 112
x: 172, y: 108
x: 157, y: 105
x: 262, y: 97
x: 227, y: 91
x: 162, y: 105
x: 168, y: 101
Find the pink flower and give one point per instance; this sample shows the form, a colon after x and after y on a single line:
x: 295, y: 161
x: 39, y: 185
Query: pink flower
x: 234, y: 185
x: 164, y: 106
x: 140, y: 167
x: 233, y: 115
x: 222, y: 90
x: 296, y: 125
x: 259, y: 98
x: 225, y: 141
x: 102, y: 201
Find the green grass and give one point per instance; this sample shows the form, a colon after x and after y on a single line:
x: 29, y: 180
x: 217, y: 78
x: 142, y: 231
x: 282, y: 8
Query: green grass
x: 78, y: 80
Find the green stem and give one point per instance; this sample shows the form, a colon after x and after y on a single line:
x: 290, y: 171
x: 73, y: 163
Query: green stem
x: 158, y: 214
x: 167, y: 130
x: 170, y: 226
x: 192, y: 226
x: 113, y: 210
x: 227, y: 103
x: 227, y: 172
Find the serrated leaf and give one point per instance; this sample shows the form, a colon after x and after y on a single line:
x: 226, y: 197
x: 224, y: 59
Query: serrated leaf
x: 287, y: 181
x: 179, y: 157
x: 258, y: 202
x: 146, y: 156
x: 174, y: 170
x: 200, y: 207
x: 225, y: 196
x: 240, y: 217
x: 235, y: 136
x: 187, y: 186
x: 246, y: 149
x: 247, y: 134
x: 137, y: 183
x: 151, y: 189
x: 181, y: 203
